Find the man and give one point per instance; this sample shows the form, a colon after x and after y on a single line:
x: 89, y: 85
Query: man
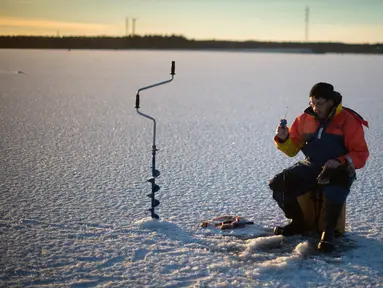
x: 332, y: 139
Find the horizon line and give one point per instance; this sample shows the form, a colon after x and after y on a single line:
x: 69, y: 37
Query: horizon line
x: 192, y: 39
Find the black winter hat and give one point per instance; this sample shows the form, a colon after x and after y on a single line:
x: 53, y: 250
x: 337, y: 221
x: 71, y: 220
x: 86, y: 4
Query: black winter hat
x: 326, y: 91
x: 322, y: 90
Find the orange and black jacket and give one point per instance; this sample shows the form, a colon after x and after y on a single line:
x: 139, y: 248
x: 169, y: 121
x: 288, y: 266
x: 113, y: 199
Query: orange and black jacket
x: 340, y: 137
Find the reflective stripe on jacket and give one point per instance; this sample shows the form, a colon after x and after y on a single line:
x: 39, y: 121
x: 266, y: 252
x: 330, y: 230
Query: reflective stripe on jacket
x: 341, y: 135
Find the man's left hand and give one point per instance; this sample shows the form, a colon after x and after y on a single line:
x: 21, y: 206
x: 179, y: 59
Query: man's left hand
x: 333, y: 163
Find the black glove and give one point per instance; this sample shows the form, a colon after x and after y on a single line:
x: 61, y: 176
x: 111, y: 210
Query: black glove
x: 339, y: 176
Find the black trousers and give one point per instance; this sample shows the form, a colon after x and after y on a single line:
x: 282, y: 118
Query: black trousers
x: 301, y: 178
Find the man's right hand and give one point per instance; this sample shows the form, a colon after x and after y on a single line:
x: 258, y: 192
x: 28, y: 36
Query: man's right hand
x: 282, y: 132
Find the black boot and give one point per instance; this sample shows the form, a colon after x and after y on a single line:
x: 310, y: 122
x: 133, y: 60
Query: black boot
x: 332, y: 214
x: 294, y: 212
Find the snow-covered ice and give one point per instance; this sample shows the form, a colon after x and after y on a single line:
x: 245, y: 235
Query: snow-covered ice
x: 75, y: 157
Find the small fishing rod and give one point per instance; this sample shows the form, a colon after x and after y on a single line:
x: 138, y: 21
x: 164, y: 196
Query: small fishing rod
x: 155, y: 173
x: 283, y: 121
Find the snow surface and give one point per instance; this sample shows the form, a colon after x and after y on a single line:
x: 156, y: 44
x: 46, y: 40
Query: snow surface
x: 75, y: 156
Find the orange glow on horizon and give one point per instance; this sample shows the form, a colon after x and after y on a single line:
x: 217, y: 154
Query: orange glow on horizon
x: 17, y: 26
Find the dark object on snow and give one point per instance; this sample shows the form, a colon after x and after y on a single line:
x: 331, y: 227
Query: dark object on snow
x: 226, y: 222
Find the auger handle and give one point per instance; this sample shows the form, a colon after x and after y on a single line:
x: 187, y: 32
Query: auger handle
x: 173, y: 68
x: 137, y: 101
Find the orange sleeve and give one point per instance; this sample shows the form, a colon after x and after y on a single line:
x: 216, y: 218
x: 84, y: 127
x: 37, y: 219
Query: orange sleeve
x: 355, y: 143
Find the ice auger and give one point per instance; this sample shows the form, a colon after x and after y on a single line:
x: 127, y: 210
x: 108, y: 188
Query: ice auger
x: 155, y: 172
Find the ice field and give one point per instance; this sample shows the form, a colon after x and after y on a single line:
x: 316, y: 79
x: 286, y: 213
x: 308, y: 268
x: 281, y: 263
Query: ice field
x: 75, y: 157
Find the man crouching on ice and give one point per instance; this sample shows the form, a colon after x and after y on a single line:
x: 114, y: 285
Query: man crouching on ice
x: 332, y: 139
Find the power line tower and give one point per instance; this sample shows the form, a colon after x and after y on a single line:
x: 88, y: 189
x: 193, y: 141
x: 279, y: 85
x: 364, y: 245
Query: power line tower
x: 134, y: 26
x: 127, y: 26
x: 307, y: 18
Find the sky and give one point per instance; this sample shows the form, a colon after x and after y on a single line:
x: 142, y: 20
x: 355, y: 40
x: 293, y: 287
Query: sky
x: 350, y: 21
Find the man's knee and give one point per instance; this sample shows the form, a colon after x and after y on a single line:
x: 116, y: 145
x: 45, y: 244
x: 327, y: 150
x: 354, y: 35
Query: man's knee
x: 277, y: 184
x: 285, y: 186
x: 286, y: 181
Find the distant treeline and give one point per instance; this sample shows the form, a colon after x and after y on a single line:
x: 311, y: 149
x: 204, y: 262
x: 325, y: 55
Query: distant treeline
x: 179, y: 42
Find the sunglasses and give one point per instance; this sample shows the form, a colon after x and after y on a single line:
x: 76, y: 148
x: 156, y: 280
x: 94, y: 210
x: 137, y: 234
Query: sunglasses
x: 317, y: 104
